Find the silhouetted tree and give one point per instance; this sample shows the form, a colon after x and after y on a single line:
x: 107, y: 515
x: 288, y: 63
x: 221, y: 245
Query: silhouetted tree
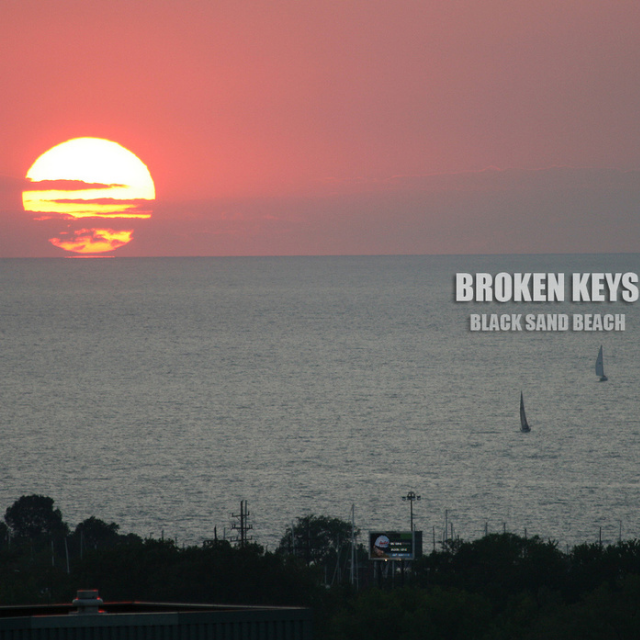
x: 496, y: 566
x: 31, y: 517
x: 4, y: 535
x: 317, y: 539
x: 159, y: 570
x: 592, y: 564
x: 94, y: 533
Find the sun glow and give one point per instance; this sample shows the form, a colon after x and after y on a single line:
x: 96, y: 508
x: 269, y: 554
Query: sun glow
x: 88, y: 178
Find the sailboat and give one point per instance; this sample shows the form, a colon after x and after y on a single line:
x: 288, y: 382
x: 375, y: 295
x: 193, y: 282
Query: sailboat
x: 600, y: 367
x: 524, y: 425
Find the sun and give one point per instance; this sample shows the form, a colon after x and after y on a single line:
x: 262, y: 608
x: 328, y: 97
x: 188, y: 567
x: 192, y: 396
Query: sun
x: 96, y: 186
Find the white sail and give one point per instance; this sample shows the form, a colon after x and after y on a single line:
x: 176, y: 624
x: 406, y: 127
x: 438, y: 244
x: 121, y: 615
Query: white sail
x: 600, y: 366
x: 524, y: 425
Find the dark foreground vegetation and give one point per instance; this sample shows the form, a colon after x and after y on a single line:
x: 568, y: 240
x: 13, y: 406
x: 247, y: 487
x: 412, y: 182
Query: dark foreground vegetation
x: 501, y: 586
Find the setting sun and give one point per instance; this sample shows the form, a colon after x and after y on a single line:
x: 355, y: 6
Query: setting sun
x: 89, y: 178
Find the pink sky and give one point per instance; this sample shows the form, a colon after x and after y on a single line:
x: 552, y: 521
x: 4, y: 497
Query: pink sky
x: 322, y: 127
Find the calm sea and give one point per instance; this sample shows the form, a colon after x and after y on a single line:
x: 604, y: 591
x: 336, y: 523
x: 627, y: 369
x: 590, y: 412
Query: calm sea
x: 159, y: 393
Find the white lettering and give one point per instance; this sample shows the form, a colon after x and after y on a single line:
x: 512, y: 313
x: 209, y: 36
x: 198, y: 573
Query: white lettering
x: 464, y: 287
x: 545, y: 287
x: 521, y: 287
x: 483, y: 287
x: 631, y: 290
x: 597, y: 287
x: 598, y: 322
x: 503, y: 287
x: 555, y: 287
x: 539, y: 285
x: 579, y: 289
x: 613, y: 283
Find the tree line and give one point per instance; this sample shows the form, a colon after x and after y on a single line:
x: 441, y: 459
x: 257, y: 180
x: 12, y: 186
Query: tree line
x: 501, y: 586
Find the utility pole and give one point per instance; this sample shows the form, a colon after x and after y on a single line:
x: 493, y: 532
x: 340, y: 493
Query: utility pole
x: 354, y: 572
x: 244, y: 526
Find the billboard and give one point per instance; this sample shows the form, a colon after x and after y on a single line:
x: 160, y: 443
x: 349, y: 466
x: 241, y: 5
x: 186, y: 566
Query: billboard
x: 395, y: 545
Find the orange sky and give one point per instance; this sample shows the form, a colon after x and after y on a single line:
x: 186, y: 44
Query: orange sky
x: 316, y: 127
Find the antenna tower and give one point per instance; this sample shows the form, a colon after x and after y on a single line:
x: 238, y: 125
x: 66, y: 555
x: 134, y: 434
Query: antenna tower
x: 244, y: 525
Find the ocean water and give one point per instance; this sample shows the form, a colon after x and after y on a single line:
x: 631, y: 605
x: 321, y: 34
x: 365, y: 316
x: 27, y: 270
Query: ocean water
x: 159, y: 393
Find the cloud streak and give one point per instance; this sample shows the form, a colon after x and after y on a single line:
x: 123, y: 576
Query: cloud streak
x: 67, y: 185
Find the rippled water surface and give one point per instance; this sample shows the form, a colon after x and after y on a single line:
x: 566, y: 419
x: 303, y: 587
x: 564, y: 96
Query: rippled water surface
x: 158, y: 393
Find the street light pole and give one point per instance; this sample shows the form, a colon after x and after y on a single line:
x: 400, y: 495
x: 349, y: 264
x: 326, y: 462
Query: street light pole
x: 411, y: 497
